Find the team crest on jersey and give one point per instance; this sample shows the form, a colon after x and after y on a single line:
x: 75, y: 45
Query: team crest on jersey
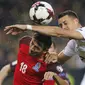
x: 36, y: 67
x: 59, y: 68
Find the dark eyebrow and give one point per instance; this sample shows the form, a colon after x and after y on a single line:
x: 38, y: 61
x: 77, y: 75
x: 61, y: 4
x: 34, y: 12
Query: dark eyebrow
x: 61, y: 23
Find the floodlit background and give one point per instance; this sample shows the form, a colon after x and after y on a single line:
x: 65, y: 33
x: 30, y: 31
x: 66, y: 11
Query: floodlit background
x: 17, y: 12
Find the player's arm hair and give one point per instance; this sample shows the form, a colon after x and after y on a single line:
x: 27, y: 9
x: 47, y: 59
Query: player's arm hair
x: 59, y: 80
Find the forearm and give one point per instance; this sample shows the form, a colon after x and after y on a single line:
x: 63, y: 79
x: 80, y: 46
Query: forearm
x: 57, y: 31
x: 62, y: 58
x: 48, y: 30
x: 4, y: 72
x: 51, y: 31
x: 60, y: 81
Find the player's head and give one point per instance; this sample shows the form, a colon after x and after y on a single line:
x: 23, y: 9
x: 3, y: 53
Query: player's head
x: 68, y: 20
x: 39, y: 44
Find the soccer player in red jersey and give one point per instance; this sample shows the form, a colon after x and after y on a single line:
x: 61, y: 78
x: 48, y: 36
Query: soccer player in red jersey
x: 31, y: 65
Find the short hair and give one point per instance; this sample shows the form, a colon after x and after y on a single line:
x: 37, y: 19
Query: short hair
x: 69, y: 13
x: 46, y: 40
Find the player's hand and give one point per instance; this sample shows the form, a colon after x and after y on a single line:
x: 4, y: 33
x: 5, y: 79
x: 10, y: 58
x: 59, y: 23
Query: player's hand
x: 51, y: 57
x: 15, y: 29
x: 49, y: 75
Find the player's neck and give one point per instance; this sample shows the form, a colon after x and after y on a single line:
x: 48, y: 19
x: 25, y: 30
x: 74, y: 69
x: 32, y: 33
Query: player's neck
x: 79, y: 26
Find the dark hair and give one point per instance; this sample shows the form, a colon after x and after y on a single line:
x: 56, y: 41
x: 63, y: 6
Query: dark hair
x: 46, y: 40
x: 69, y: 13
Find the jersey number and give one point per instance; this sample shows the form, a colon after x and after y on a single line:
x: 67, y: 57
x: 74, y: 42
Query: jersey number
x: 23, y: 67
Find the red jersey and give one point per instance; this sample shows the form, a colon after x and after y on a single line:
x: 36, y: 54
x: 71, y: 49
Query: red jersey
x: 29, y: 70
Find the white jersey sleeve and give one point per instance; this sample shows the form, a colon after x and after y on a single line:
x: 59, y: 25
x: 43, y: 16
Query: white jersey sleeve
x: 82, y: 31
x: 70, y: 48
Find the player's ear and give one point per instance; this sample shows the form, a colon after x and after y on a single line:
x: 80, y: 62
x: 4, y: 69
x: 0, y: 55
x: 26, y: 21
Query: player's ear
x: 76, y: 20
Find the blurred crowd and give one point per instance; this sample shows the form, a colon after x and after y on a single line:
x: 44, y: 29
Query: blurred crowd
x: 17, y: 11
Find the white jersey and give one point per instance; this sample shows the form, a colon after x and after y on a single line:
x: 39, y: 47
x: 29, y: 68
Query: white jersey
x: 76, y: 46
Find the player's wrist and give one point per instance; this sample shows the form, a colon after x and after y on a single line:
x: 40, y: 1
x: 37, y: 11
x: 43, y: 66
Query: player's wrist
x: 55, y: 74
x: 29, y: 27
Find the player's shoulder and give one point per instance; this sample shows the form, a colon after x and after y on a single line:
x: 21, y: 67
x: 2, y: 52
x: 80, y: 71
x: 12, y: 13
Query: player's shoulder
x: 25, y: 40
x: 55, y: 67
x: 72, y: 43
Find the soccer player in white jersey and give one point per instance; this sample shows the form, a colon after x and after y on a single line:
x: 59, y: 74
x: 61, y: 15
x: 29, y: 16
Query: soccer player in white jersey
x: 69, y: 27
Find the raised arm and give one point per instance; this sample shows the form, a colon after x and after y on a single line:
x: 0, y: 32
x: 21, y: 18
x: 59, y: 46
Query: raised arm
x: 48, y: 30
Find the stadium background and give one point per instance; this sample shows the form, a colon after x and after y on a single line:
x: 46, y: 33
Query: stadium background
x: 16, y: 11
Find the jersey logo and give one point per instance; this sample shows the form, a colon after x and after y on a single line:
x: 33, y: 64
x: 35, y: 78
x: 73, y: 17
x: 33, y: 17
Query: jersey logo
x: 36, y: 67
x: 59, y: 68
